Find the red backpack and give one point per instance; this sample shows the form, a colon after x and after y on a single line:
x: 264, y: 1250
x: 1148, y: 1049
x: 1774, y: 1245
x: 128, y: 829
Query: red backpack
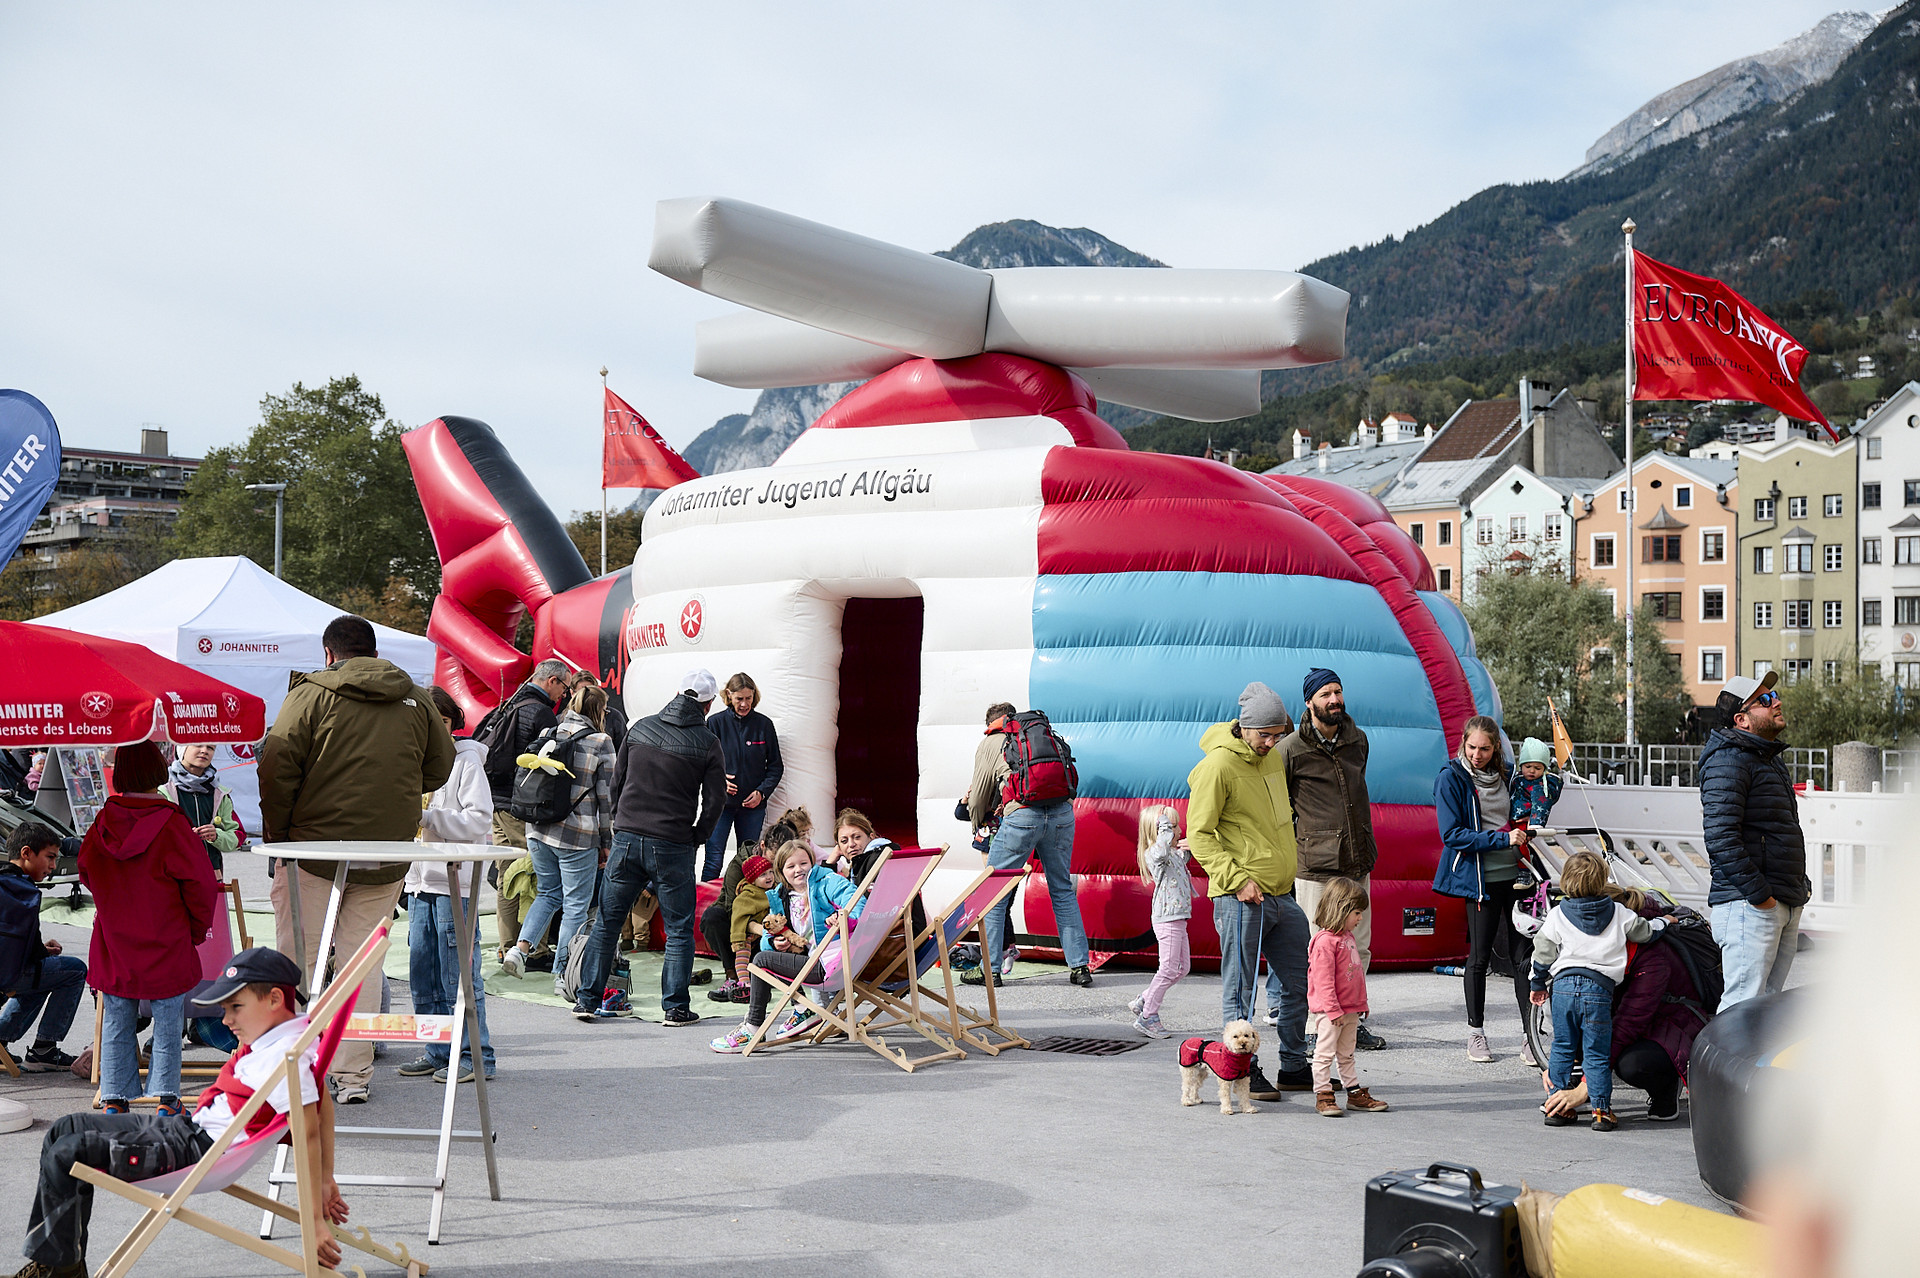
x: 1039, y: 762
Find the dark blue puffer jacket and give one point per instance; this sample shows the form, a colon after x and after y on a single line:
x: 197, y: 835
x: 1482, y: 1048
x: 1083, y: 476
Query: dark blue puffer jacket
x: 1752, y: 821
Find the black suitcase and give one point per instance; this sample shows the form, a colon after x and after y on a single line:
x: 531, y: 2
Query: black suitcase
x: 1441, y: 1221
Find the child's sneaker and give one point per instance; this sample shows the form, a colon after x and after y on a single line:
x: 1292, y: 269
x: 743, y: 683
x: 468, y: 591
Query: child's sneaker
x: 170, y: 1107
x: 113, y: 1107
x: 735, y: 1040
x: 1008, y: 957
x: 796, y: 1022
x: 1148, y: 1023
x: 1362, y: 1099
x: 515, y: 962
x: 1327, y: 1105
x: 613, y: 1003
x: 1138, y: 1005
x: 1604, y: 1121
x: 742, y: 992
x: 723, y: 992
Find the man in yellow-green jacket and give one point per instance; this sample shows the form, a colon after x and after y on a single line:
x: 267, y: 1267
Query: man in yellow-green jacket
x: 1240, y: 830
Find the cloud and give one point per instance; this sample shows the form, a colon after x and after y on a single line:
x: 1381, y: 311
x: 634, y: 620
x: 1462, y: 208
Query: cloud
x: 208, y: 202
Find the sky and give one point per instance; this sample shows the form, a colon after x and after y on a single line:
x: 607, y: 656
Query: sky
x: 201, y: 204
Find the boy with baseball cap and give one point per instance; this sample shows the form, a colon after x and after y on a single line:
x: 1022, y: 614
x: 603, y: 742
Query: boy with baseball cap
x: 257, y: 997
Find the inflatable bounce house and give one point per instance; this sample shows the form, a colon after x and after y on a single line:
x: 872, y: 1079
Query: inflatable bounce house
x: 962, y: 530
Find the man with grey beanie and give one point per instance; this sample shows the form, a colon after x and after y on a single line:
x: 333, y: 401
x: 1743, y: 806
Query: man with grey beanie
x: 1240, y: 830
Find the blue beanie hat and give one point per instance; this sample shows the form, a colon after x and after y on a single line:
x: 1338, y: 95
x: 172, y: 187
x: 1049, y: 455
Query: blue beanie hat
x: 1317, y: 678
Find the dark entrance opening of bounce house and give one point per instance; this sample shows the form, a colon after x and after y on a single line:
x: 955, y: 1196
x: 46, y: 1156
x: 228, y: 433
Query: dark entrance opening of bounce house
x: 877, y: 761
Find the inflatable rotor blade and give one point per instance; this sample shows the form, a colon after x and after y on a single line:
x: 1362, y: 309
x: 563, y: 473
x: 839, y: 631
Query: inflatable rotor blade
x: 1199, y: 395
x: 755, y: 351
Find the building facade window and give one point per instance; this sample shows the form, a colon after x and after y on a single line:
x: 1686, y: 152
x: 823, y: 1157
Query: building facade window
x: 1869, y: 550
x: 1516, y: 528
x: 1446, y: 579
x: 1483, y: 531
x: 1873, y: 452
x: 1906, y: 673
x: 1660, y: 550
x: 1763, y: 560
x: 1906, y: 550
x: 1869, y: 612
x: 1831, y: 613
x: 1553, y: 526
x: 1763, y: 616
x: 1763, y: 510
x: 1796, y: 508
x: 1621, y: 499
x: 1419, y: 534
x: 1445, y: 529
x: 1913, y: 491
x: 1796, y: 667
x: 1683, y: 496
x: 1831, y: 556
x: 1713, y: 605
x: 1798, y: 556
x: 1830, y: 671
x: 1664, y: 603
x: 1796, y: 614
x: 1870, y: 494
x: 1761, y: 669
x: 1906, y: 610
x: 1713, y: 665
x: 1713, y: 548
x: 1830, y: 505
x: 1603, y: 552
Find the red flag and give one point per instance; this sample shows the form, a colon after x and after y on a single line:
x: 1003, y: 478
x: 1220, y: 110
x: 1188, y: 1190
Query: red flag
x: 1695, y: 338
x: 635, y: 456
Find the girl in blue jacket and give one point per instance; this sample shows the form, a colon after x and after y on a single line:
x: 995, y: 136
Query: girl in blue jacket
x: 807, y: 896
x: 1479, y: 862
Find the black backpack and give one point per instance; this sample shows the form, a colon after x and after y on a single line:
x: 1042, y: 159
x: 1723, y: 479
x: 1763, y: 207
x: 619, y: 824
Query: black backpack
x: 496, y: 731
x: 19, y: 927
x: 541, y: 797
x: 1692, y: 940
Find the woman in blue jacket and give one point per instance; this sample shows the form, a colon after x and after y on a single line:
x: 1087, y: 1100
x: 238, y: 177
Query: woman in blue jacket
x: 1479, y: 861
x: 751, y: 749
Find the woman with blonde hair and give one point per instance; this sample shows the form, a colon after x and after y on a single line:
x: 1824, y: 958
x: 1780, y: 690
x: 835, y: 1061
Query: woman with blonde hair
x: 1163, y: 869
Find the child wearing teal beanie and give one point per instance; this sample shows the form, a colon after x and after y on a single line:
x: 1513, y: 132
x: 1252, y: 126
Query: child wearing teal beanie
x: 1535, y: 790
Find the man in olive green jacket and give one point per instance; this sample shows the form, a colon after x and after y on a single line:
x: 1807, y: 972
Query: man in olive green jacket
x: 349, y: 756
x: 1240, y: 830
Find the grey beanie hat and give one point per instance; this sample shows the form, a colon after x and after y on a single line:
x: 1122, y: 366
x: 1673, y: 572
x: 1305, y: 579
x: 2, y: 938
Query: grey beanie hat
x: 1261, y: 707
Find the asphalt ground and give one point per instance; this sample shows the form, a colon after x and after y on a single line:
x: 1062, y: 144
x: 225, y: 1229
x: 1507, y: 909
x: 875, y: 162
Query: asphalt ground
x: 629, y: 1148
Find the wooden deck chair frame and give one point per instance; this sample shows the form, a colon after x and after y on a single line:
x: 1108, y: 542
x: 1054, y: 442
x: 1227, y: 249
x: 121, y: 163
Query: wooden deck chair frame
x: 6, y: 1058
x: 188, y: 1069
x: 162, y: 1209
x: 835, y: 1007
x: 960, y: 1023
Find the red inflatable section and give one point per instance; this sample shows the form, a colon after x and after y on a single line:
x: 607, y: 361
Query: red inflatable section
x: 980, y: 386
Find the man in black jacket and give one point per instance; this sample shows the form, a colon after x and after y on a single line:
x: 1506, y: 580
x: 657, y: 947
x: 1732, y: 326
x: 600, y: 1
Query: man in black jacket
x: 1754, y: 842
x: 668, y: 784
x: 751, y: 750
x: 508, y: 730
x: 50, y: 983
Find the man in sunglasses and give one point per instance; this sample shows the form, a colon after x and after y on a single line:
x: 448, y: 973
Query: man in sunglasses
x: 1758, y: 854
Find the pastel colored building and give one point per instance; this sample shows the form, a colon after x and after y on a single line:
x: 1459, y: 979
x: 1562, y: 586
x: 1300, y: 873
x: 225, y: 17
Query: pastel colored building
x: 1888, y: 466
x: 1797, y: 557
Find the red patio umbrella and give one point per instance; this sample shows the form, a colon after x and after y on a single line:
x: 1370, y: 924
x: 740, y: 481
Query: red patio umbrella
x: 62, y: 688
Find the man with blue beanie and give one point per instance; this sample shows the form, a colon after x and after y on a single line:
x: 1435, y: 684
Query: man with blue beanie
x: 1326, y: 768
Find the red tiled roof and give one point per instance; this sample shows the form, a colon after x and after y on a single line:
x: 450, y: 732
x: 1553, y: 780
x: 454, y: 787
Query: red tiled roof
x: 1481, y: 429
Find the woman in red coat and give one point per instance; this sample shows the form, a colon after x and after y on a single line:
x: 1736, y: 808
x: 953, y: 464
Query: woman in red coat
x: 153, y: 887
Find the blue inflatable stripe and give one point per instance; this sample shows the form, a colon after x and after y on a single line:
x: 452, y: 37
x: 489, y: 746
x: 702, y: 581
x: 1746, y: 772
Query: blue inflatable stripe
x: 1133, y: 667
x: 1486, y: 698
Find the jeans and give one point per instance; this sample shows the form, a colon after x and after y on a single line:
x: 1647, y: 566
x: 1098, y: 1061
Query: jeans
x: 57, y: 1224
x: 1756, y: 948
x: 566, y: 878
x: 58, y: 983
x: 639, y: 863
x: 1582, y: 1026
x: 120, y: 1049
x: 433, y: 974
x: 746, y: 822
x: 1276, y: 929
x: 1048, y: 830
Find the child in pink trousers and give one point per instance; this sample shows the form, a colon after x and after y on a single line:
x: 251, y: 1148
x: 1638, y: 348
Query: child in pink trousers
x: 1337, y: 996
x: 1163, y: 868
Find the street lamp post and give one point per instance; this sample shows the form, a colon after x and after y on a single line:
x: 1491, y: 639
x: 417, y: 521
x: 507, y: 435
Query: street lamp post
x: 279, y: 492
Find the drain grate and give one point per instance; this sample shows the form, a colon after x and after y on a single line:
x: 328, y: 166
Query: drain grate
x: 1087, y: 1046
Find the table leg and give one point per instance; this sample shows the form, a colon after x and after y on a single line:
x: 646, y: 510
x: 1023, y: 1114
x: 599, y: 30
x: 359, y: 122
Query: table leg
x: 316, y: 983
x: 319, y: 978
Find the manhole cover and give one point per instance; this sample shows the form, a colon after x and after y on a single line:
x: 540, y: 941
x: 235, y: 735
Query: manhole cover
x: 1087, y: 1046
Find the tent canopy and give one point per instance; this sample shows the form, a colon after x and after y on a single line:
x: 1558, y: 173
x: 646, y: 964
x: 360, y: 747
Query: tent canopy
x: 228, y: 611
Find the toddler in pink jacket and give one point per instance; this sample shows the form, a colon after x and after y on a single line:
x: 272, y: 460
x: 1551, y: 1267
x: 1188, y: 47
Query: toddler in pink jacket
x: 1337, y: 996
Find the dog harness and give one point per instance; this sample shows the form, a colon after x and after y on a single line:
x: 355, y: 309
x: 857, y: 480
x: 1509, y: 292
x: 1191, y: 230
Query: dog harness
x: 1229, y: 1065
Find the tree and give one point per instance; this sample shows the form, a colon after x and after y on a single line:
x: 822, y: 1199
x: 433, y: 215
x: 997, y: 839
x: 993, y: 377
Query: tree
x: 354, y: 525
x: 1856, y: 704
x: 623, y: 536
x: 1541, y: 636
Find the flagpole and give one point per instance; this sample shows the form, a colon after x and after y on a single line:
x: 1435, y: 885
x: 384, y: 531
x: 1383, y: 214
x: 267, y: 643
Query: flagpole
x: 603, y: 470
x: 1627, y: 228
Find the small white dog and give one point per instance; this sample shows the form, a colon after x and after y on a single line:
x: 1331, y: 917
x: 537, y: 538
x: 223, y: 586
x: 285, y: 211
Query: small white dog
x: 1230, y: 1060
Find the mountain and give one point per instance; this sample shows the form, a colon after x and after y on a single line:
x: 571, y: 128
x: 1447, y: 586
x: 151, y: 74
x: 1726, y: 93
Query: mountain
x: 741, y: 441
x: 1808, y: 59
x: 1814, y: 193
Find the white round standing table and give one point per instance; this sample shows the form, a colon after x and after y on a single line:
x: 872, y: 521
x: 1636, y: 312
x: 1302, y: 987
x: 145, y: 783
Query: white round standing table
x: 341, y: 854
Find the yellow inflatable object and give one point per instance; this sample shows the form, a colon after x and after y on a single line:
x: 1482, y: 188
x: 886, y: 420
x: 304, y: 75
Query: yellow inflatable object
x: 1608, y: 1231
x: 542, y: 761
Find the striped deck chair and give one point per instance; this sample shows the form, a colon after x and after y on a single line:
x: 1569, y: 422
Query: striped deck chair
x: 831, y: 985
x: 235, y: 1153
x: 883, y: 995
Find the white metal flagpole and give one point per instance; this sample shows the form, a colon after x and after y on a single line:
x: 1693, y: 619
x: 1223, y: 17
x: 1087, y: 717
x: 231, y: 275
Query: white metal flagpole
x: 1627, y: 550
x: 603, y: 470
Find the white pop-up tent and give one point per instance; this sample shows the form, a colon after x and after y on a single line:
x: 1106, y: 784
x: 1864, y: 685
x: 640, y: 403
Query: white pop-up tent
x: 238, y: 622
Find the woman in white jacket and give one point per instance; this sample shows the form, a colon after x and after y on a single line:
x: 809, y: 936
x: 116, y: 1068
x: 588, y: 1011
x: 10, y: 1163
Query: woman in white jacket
x: 461, y: 811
